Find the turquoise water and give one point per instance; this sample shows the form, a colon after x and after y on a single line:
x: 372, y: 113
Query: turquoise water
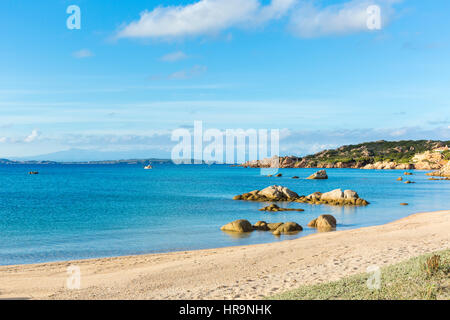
x: 85, y: 211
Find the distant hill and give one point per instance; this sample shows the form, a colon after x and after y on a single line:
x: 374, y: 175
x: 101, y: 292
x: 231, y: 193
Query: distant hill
x: 405, y: 154
x: 85, y: 155
x: 125, y: 161
x: 371, y: 155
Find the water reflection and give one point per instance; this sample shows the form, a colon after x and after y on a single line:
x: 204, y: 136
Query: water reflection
x: 237, y: 235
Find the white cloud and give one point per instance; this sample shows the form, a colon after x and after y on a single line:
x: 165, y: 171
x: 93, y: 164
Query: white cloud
x: 83, y: 53
x: 174, y: 56
x: 188, y: 74
x: 275, y: 10
x: 309, y: 21
x: 32, y: 137
x: 202, y: 18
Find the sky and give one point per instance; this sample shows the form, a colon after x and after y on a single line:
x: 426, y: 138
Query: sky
x: 137, y: 70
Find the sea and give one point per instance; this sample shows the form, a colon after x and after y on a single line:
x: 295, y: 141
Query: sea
x: 69, y: 212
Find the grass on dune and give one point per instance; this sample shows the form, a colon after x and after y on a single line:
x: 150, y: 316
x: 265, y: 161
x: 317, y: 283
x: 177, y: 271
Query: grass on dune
x: 426, y: 278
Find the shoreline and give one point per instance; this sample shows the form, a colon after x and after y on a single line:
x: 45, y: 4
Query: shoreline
x: 238, y: 272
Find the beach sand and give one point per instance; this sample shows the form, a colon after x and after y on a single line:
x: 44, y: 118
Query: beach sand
x: 245, y: 272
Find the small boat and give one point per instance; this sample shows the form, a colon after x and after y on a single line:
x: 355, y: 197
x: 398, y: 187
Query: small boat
x: 33, y: 172
x: 148, y: 167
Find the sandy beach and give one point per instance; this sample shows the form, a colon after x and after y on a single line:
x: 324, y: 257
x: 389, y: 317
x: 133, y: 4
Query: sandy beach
x: 245, y: 272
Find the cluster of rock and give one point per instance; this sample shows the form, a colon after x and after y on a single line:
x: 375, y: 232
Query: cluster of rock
x: 324, y: 222
x: 279, y: 228
x: 334, y: 197
x: 279, y: 193
x: 443, y: 172
x: 274, y: 208
x: 272, y: 193
x: 319, y: 175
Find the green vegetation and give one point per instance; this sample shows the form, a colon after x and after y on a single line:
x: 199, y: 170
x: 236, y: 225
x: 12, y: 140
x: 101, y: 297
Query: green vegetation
x: 371, y: 152
x: 446, y: 155
x: 426, y: 278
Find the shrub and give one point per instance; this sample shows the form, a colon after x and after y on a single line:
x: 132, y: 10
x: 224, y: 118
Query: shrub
x: 432, y: 265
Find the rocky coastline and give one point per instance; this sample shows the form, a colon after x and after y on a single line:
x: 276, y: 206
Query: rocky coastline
x: 443, y: 172
x: 380, y: 155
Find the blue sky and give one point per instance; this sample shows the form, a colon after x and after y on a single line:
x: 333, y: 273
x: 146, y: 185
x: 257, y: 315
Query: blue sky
x: 136, y: 70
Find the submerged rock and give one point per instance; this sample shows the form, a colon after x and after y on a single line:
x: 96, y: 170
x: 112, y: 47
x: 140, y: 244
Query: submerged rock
x: 322, y: 174
x: 275, y: 208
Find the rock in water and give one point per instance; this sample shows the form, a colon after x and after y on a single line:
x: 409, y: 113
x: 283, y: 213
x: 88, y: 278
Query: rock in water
x: 350, y: 194
x: 261, y: 225
x: 272, y: 193
x: 322, y: 174
x: 288, y: 227
x: 336, y: 194
x: 279, y: 193
x: 272, y: 207
x: 238, y: 226
x: 274, y: 226
x: 323, y: 222
x: 314, y: 196
x: 334, y: 197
